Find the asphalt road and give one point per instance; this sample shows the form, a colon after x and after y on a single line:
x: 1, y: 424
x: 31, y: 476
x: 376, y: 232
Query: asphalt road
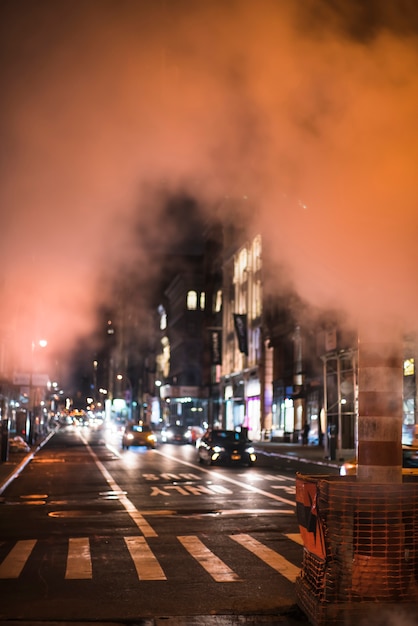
x: 91, y: 532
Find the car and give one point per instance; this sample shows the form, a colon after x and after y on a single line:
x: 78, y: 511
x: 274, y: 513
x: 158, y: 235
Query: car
x: 138, y: 435
x: 409, y: 463
x: 18, y: 444
x: 225, y: 446
x: 175, y: 434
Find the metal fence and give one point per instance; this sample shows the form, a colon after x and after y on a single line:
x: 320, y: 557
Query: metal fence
x: 360, y: 547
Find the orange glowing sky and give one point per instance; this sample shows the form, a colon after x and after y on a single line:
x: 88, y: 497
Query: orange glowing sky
x: 311, y: 115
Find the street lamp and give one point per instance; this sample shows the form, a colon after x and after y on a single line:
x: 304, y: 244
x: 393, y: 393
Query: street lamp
x: 126, y: 379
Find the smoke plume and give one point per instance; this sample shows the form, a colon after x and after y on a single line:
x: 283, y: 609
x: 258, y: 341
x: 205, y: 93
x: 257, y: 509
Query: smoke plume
x: 305, y: 110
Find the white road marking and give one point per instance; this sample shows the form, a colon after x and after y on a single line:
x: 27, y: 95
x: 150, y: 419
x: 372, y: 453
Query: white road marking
x: 291, y: 489
x: 215, y: 513
x: 139, y: 520
x: 14, y: 562
x: 78, y: 560
x: 237, y: 483
x: 187, y: 490
x: 145, y: 562
x: 219, y: 571
x: 268, y: 556
x: 165, y: 476
x: 79, y: 565
x: 254, y: 512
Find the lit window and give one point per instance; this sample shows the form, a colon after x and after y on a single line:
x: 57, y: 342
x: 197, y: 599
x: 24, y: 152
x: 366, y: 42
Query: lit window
x: 218, y: 301
x: 243, y: 260
x: 192, y: 300
x: 202, y: 300
x: 257, y: 253
x: 408, y: 367
x: 163, y: 321
x: 163, y: 317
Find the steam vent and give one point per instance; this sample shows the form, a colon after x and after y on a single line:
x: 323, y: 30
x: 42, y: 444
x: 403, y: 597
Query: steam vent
x: 360, y: 533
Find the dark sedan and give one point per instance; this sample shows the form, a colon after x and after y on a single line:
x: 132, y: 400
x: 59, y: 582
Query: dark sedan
x: 225, y: 446
x: 175, y: 434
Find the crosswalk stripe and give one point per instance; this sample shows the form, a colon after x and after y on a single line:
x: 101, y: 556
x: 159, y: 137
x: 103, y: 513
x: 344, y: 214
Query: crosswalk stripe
x: 296, y: 537
x: 219, y: 571
x: 269, y: 556
x: 79, y: 564
x: 145, y: 562
x: 78, y: 559
x: 15, y: 561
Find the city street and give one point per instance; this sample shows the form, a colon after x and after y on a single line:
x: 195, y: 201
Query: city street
x: 209, y: 231
x: 93, y: 532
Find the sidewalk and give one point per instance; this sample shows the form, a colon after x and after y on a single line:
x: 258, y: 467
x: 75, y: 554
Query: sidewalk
x: 309, y: 454
x: 17, y: 461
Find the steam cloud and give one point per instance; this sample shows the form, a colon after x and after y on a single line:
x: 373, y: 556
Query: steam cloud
x: 308, y: 113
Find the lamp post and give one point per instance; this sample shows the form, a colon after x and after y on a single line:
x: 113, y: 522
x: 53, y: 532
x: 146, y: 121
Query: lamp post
x: 158, y: 384
x: 105, y: 408
x: 95, y: 364
x: 126, y: 379
x: 41, y: 343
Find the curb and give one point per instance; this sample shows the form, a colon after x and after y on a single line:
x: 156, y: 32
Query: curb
x: 293, y: 456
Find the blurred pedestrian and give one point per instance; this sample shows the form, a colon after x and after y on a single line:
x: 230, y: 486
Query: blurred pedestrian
x: 305, y: 434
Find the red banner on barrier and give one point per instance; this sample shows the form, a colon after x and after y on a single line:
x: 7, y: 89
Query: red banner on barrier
x: 310, y: 527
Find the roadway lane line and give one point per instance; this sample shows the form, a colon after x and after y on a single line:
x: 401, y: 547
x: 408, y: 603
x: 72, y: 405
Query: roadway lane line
x: 268, y: 556
x: 219, y: 571
x: 78, y: 559
x: 130, y: 508
x: 237, y: 483
x: 146, y: 564
x: 14, y: 562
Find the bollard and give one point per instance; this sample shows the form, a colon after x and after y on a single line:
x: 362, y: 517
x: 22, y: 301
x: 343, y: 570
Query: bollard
x: 4, y: 432
x: 4, y: 449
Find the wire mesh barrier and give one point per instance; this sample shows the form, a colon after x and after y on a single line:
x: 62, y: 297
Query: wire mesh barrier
x: 360, y: 547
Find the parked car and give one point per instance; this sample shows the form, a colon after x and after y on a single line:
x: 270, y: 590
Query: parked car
x: 138, y: 435
x: 225, y: 446
x: 18, y: 444
x: 409, y: 463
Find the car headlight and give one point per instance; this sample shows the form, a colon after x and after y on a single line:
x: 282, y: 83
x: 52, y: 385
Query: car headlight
x: 249, y: 450
x: 218, y: 449
x: 130, y: 436
x: 151, y: 437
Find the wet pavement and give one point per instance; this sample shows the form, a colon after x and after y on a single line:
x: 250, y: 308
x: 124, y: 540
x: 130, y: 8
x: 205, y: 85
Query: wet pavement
x: 303, y: 454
